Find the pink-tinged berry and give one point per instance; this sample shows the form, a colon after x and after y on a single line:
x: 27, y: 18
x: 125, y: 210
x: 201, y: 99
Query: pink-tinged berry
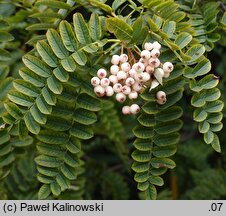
x: 161, y: 95
x: 137, y: 86
x: 146, y: 77
x: 154, y: 62
x: 144, y: 61
x: 115, y: 59
x: 156, y: 45
x: 99, y: 91
x: 126, y: 90
x: 134, y: 109
x: 117, y: 87
x: 121, y: 75
x: 126, y: 110
x: 105, y: 82
x: 161, y: 101
x: 120, y: 97
x: 95, y: 81
x: 133, y: 95
x: 125, y: 66
x: 114, y: 69
x: 167, y: 67
x: 150, y: 69
x: 109, y: 91
x: 130, y: 81
x: 123, y: 58
x: 145, y: 54
x: 113, y: 79
x: 148, y: 46
x: 138, y: 77
x: 132, y: 73
x: 101, y: 73
x: 139, y: 67
x: 155, y: 53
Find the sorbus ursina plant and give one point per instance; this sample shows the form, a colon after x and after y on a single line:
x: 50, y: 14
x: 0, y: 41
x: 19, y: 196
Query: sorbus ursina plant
x: 69, y: 70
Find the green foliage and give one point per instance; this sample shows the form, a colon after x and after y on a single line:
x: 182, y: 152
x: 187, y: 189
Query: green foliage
x: 111, y: 126
x: 22, y: 182
x: 59, y: 141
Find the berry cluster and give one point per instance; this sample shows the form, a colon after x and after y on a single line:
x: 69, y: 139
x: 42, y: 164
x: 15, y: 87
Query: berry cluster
x: 128, y: 80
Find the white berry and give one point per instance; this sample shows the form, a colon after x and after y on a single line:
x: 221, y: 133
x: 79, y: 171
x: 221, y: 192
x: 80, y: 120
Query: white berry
x: 115, y: 59
x: 145, y: 54
x: 125, y: 66
x: 117, y: 87
x: 138, y: 77
x: 161, y: 95
x: 130, y: 81
x: 126, y: 90
x: 154, y: 62
x: 134, y: 109
x: 133, y: 95
x: 109, y: 91
x: 99, y: 91
x: 167, y: 67
x: 121, y: 75
x: 137, y: 86
x: 126, y: 110
x: 145, y: 76
x: 114, y: 69
x: 161, y: 102
x: 148, y: 46
x: 155, y: 53
x: 139, y: 67
x: 144, y: 61
x: 95, y: 81
x: 113, y: 79
x: 150, y: 69
x: 105, y: 82
x: 101, y: 73
x: 156, y: 45
x: 132, y: 73
x: 120, y: 97
x: 123, y: 58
